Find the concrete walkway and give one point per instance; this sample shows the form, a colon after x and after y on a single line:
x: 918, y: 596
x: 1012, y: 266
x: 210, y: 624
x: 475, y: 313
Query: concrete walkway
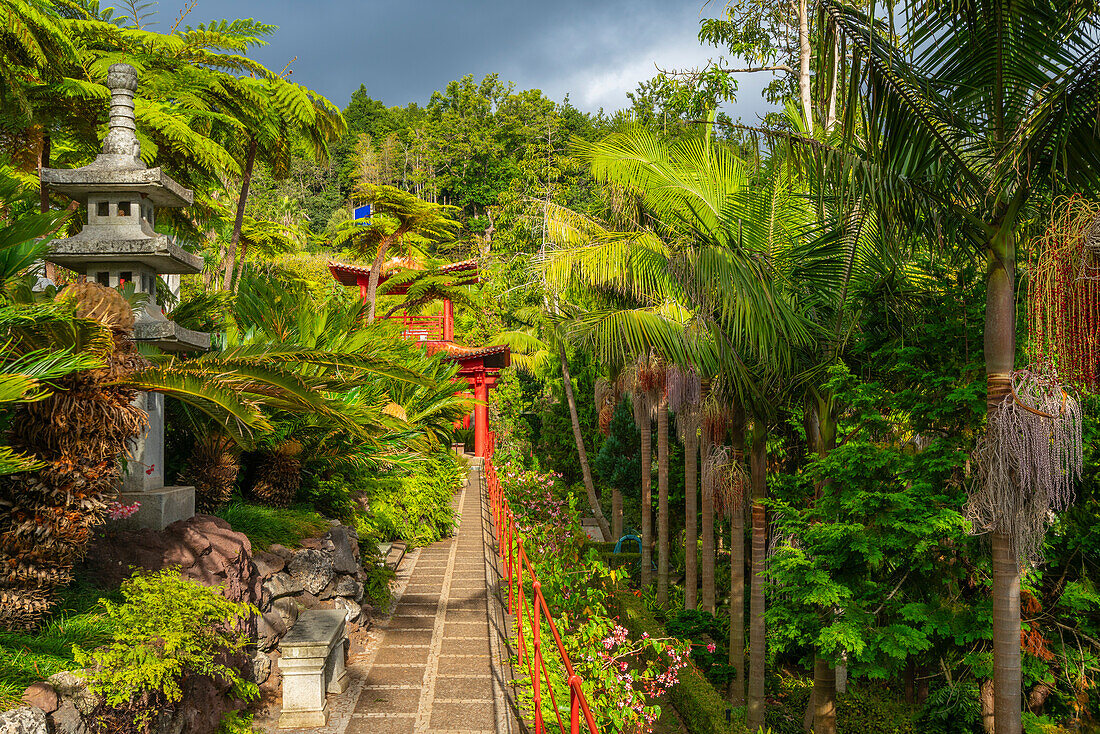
x: 440, y: 665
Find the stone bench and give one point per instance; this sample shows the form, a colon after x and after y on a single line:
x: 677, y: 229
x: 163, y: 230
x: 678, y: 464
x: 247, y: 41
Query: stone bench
x: 312, y: 663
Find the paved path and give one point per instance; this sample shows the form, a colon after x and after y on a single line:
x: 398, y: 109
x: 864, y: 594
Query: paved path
x: 433, y: 670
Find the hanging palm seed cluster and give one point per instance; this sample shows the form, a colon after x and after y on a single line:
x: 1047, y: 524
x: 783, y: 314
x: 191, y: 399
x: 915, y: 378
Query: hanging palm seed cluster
x: 651, y: 377
x: 685, y: 392
x: 1027, y: 461
x: 727, y: 480
x: 212, y: 470
x: 606, y: 402
x: 1063, y: 301
x: 716, y: 417
x: 79, y: 433
x: 280, y: 475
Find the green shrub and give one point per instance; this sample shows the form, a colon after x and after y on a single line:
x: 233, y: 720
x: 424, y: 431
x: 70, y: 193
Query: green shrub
x: 866, y: 707
x: 700, y: 707
x: 168, y: 629
x: 265, y: 525
x: 414, y: 507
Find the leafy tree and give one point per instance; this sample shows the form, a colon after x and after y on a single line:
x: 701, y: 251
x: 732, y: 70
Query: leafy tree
x: 617, y: 463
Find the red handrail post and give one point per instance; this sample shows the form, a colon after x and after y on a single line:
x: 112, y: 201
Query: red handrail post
x: 574, y: 705
x: 540, y: 726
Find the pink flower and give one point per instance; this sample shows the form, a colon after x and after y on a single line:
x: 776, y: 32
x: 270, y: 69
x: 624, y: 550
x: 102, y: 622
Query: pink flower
x: 711, y: 647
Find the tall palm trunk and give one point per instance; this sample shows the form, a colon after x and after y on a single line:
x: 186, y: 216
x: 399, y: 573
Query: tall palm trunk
x: 582, y: 454
x: 691, y: 512
x: 706, y: 603
x: 647, y: 499
x: 821, y: 437
x: 1000, y: 347
x: 238, y: 221
x: 737, y: 571
x: 757, y: 630
x: 662, y: 500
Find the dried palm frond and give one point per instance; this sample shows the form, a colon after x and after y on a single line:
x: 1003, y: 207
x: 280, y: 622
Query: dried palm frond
x: 1027, y: 461
x: 79, y: 432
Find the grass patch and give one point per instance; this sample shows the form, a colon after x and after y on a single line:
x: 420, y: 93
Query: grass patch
x: 266, y: 525
x: 26, y: 657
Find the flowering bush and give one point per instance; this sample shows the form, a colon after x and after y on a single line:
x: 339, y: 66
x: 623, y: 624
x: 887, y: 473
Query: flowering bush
x: 622, y: 678
x: 119, y: 511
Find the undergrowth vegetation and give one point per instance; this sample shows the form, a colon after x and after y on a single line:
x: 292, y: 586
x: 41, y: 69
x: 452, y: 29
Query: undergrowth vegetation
x: 265, y: 525
x: 79, y: 619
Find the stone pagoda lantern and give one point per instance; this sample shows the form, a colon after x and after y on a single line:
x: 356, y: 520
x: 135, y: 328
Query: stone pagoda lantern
x: 117, y: 245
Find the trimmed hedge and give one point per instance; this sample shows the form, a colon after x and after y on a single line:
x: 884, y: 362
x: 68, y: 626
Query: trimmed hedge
x: 702, y: 710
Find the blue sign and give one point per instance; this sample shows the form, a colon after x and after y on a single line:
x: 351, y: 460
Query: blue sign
x: 362, y: 212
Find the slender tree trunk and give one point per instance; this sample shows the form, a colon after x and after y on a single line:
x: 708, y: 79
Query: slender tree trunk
x: 1000, y: 347
x: 706, y: 602
x: 662, y: 500
x: 824, y: 697
x: 238, y: 221
x: 582, y: 454
x: 44, y: 162
x: 985, y: 701
x: 44, y: 196
x: 757, y: 629
x: 616, y: 514
x: 737, y: 570
x: 691, y: 518
x: 822, y: 439
x: 804, y: 65
x: 647, y: 499
x: 834, y: 69
x: 375, y: 276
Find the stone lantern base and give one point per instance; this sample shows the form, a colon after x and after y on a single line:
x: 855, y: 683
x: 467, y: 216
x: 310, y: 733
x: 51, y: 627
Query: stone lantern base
x: 159, y: 507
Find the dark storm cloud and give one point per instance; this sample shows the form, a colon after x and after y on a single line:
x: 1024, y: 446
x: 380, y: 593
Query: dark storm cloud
x: 402, y: 52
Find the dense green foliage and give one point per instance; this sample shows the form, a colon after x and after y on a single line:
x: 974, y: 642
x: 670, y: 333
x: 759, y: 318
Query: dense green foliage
x: 167, y: 630
x: 416, y: 506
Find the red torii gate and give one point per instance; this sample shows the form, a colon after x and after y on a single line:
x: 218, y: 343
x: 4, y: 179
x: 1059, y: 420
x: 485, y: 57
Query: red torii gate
x: 478, y: 366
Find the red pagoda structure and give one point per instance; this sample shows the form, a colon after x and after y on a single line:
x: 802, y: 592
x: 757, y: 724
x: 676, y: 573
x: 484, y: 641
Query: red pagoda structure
x: 478, y: 366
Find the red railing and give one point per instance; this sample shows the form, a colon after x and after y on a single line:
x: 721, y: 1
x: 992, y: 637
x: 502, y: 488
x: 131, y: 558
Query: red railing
x: 531, y: 614
x: 421, y: 328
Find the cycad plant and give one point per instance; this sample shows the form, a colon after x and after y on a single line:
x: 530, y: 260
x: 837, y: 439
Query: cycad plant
x: 77, y: 434
x: 278, y: 474
x: 212, y: 469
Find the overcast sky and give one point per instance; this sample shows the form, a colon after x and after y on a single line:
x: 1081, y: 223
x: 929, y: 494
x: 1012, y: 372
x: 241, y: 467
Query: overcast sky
x: 594, y: 50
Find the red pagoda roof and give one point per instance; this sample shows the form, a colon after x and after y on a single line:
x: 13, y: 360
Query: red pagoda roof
x: 348, y: 274
x: 492, y: 357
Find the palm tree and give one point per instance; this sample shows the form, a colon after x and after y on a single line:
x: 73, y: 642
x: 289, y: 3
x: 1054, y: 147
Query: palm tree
x: 529, y: 353
x: 697, y: 193
x: 973, y: 114
x: 274, y: 113
x: 398, y: 218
